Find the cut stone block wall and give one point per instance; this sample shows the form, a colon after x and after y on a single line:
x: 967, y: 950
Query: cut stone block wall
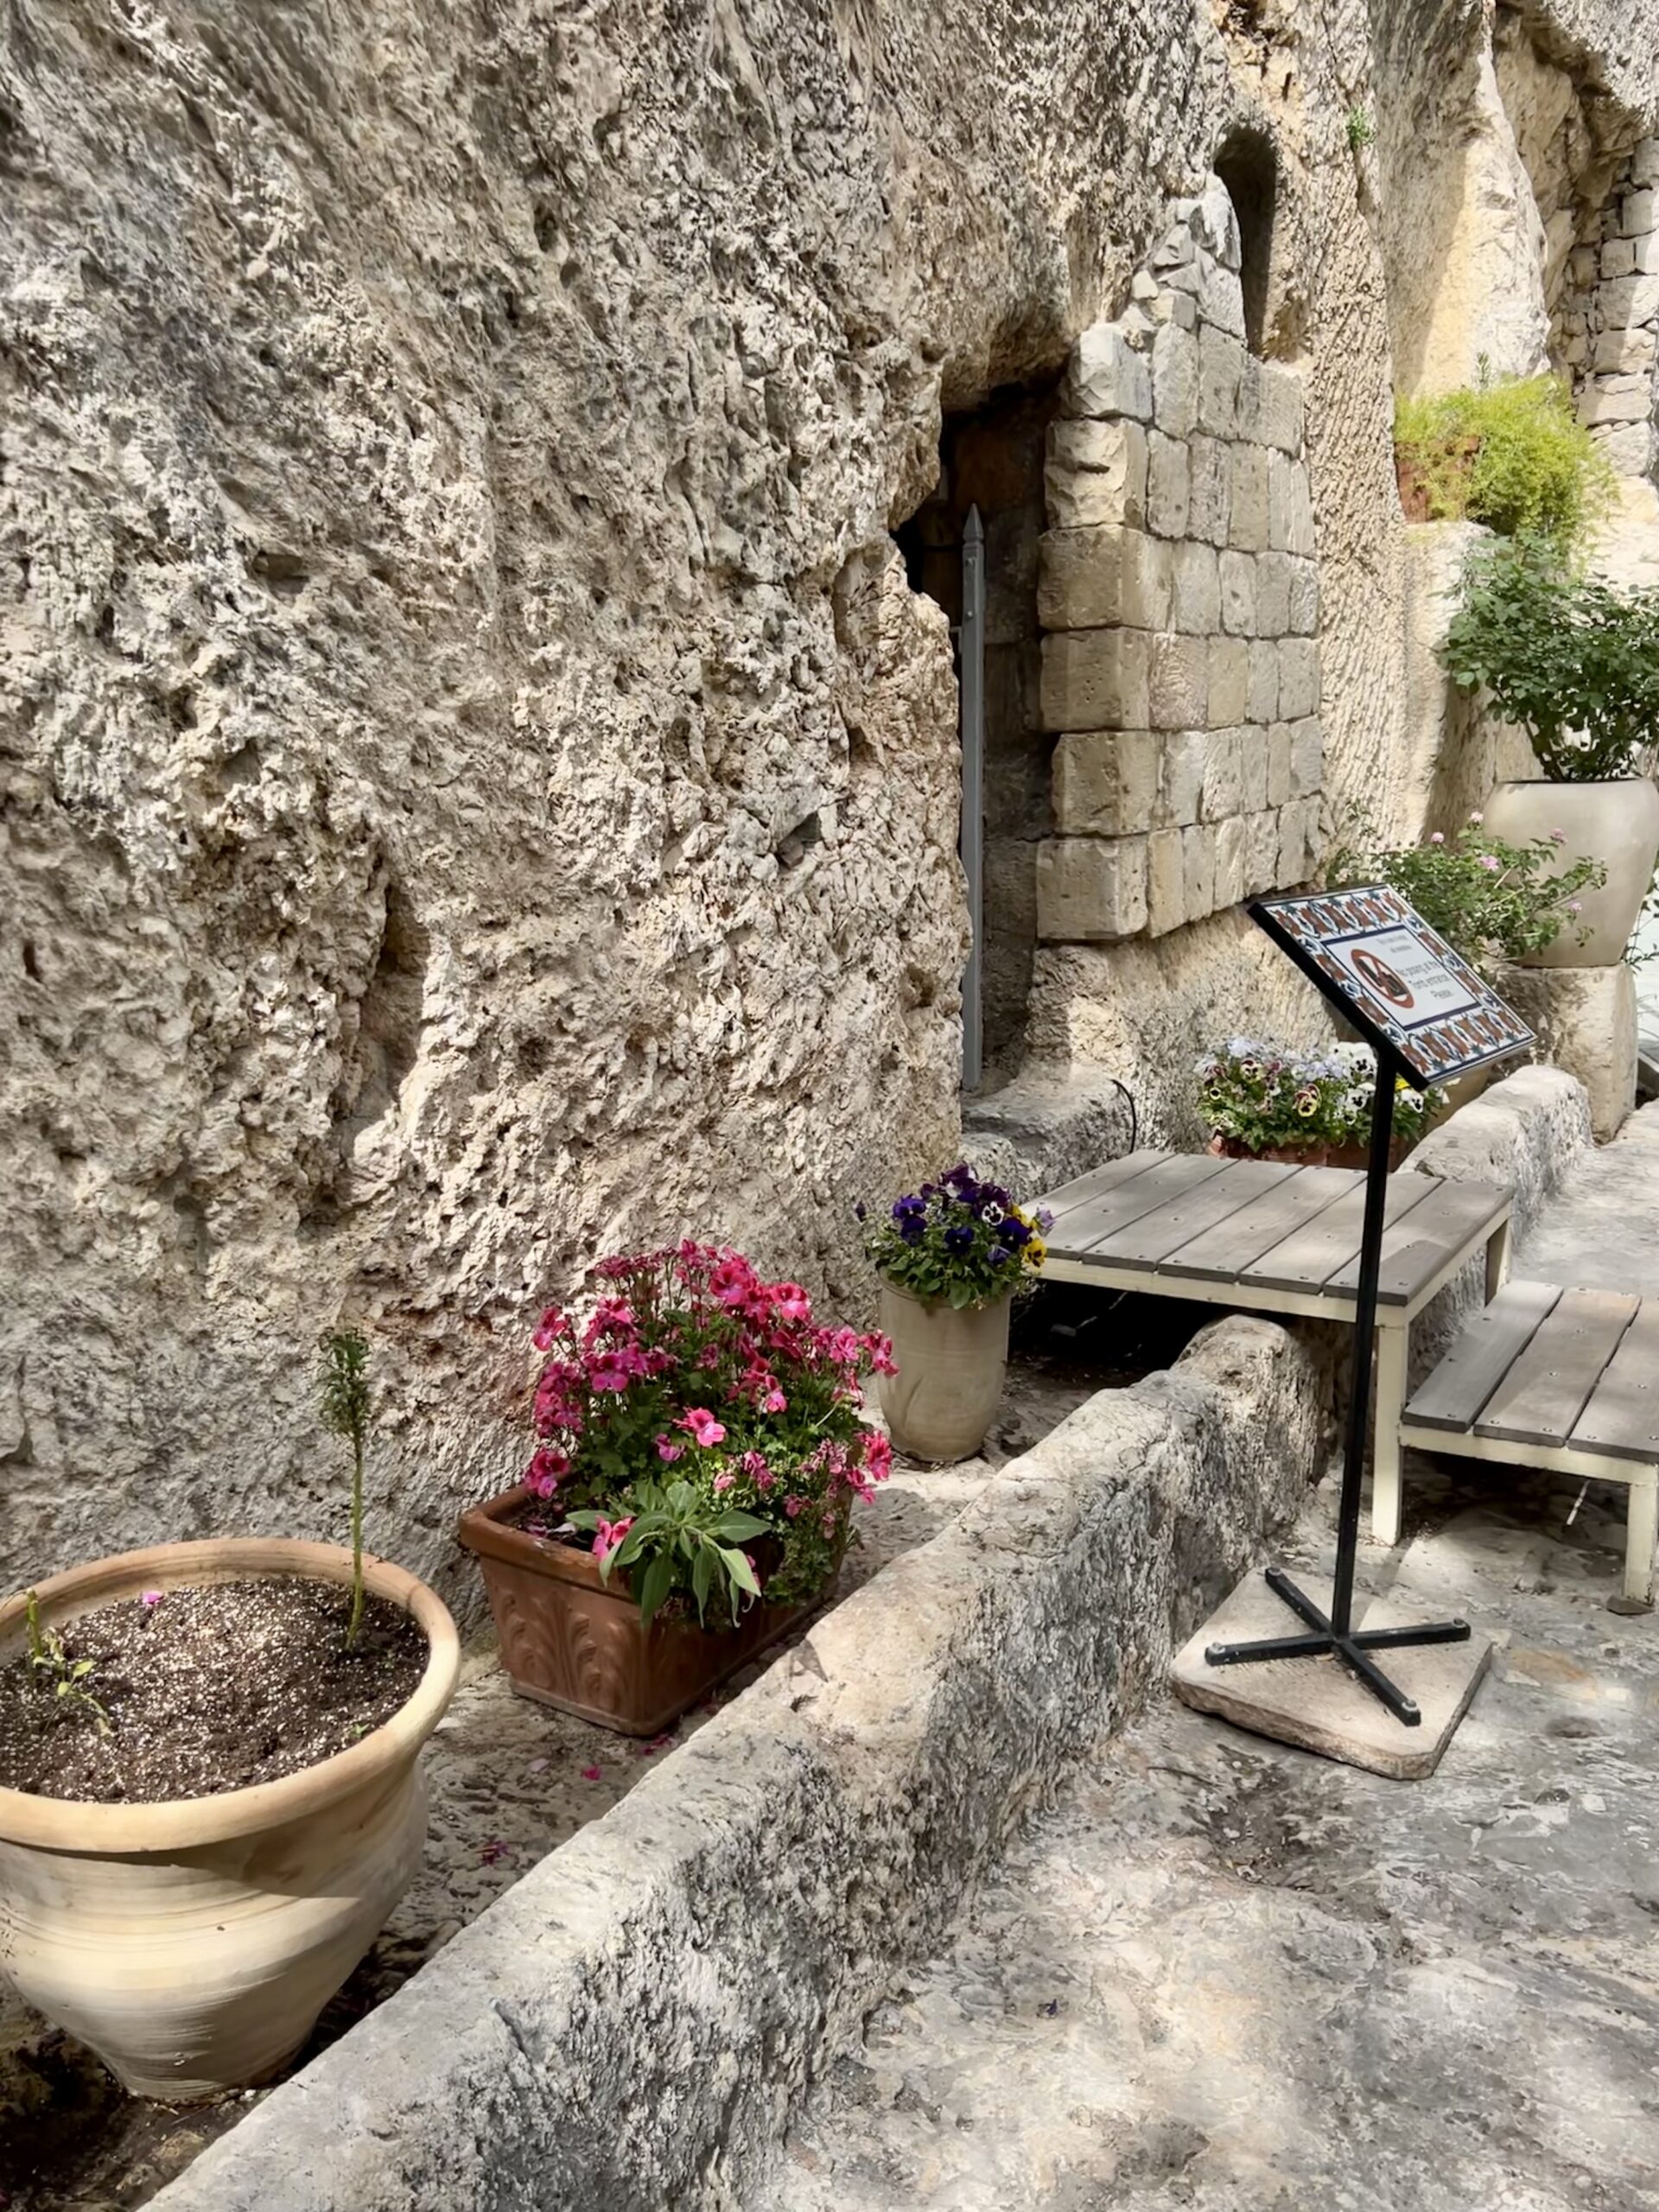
x: 635, y: 2023
x: 1179, y: 587
x: 1608, y: 329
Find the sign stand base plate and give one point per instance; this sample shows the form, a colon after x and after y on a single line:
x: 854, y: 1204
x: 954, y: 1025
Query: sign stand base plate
x: 1300, y: 1690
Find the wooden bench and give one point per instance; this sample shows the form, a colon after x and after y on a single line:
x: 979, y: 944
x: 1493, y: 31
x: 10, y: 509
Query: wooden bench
x: 1273, y: 1238
x: 1564, y: 1380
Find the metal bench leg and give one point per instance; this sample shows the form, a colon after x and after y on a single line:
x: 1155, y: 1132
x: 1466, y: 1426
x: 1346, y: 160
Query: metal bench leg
x: 1498, y: 1259
x: 1391, y: 1347
x: 1641, y: 1526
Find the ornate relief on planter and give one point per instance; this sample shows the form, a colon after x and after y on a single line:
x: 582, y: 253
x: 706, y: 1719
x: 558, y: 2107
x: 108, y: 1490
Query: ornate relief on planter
x: 570, y: 1639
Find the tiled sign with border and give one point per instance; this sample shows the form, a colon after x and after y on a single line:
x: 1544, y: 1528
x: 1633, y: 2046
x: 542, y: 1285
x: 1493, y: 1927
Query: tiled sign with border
x: 1397, y: 981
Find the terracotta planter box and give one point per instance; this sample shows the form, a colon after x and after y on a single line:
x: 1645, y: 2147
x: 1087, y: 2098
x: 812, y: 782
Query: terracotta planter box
x: 571, y: 1640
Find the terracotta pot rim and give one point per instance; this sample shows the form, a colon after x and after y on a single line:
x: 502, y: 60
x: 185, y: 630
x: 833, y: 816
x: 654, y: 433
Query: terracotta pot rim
x: 72, y: 1825
x: 944, y: 1305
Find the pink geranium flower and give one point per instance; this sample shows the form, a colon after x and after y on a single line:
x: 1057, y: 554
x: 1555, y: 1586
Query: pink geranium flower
x: 791, y: 1301
x: 704, y: 1429
x: 610, y: 1536
x: 668, y: 1452
x: 774, y: 1402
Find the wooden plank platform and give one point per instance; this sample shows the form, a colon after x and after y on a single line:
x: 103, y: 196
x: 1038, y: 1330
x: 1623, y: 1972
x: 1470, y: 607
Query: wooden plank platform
x: 1540, y: 1400
x: 1454, y: 1396
x: 1563, y: 1379
x: 1273, y: 1233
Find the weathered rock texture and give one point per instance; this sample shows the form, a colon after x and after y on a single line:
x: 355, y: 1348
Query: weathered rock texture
x: 479, y: 785
x: 637, y: 2021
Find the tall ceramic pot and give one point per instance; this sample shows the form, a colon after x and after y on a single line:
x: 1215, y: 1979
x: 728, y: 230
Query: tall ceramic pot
x: 1616, y: 823
x: 193, y: 1943
x: 950, y: 1365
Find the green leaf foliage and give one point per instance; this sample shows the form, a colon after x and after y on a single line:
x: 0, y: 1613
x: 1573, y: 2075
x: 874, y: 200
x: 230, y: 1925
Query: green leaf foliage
x: 1509, y: 452
x: 1493, y: 901
x: 1574, y: 661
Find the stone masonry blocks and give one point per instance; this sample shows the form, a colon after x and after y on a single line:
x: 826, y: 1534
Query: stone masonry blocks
x: 1272, y: 582
x: 1223, y: 775
x: 1195, y: 589
x: 1229, y: 681
x: 1211, y: 502
x: 1221, y: 364
x: 1177, y: 693
x: 1106, y: 377
x: 1106, y: 782
x: 1247, y: 522
x: 1281, y: 763
x: 1232, y: 848
x: 1279, y: 407
x: 1238, y: 572
x: 1198, y: 860
x: 1090, y: 888
x: 1094, y: 679
x: 1103, y: 578
x: 1175, y: 382
x: 1264, y: 681
x: 1169, y: 486
x: 1095, y: 472
x: 1165, y: 882
x: 1180, y: 775
x: 1306, y: 758
x: 1299, y: 677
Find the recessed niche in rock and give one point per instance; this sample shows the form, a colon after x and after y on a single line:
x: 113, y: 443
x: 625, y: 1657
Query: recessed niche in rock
x: 368, y: 1134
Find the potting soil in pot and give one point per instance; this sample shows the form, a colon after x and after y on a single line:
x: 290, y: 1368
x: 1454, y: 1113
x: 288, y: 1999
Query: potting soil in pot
x: 206, y: 1690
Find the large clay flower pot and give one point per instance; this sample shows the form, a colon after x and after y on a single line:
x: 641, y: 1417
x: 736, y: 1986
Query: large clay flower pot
x: 1615, y: 823
x: 571, y: 1639
x: 951, y: 1363
x: 193, y: 1943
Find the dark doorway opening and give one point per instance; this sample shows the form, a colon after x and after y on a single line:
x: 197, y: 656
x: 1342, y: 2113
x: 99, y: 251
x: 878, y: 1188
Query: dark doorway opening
x: 992, y: 458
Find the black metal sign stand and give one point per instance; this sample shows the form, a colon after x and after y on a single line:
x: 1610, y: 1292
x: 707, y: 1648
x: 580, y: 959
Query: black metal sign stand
x: 1336, y: 1633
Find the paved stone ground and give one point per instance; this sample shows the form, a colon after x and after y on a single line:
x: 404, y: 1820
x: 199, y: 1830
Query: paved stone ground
x: 1226, y: 1975
x: 1601, y: 1230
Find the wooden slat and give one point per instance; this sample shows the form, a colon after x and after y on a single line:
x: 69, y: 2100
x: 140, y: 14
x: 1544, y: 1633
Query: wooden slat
x: 1082, y: 1234
x: 1312, y: 1254
x: 1455, y: 1393
x: 1096, y: 1183
x: 1540, y: 1400
x: 1223, y: 1254
x: 1621, y: 1418
x: 1418, y: 1245
x: 1176, y: 1223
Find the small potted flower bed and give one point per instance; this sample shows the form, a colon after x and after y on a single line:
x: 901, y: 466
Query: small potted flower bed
x: 1266, y: 1101
x: 699, y: 1451
x: 209, y: 1791
x: 951, y: 1256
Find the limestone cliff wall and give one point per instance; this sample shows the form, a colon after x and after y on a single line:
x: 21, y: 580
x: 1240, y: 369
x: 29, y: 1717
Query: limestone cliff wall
x: 478, y: 788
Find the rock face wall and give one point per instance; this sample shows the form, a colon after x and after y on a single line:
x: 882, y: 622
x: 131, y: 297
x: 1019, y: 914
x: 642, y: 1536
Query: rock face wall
x: 477, y: 786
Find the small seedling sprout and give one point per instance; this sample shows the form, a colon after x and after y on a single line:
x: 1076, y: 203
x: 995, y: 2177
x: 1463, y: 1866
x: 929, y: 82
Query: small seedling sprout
x: 347, y: 1407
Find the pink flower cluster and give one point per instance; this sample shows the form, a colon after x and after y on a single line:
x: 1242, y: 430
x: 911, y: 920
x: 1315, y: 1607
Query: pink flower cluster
x: 691, y: 1360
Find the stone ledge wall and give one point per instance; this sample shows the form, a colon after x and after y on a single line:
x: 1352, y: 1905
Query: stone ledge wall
x: 1181, y: 592
x: 635, y: 2023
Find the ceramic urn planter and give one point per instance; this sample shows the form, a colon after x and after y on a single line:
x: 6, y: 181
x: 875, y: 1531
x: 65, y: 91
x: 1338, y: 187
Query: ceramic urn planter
x: 1616, y: 823
x: 193, y: 1943
x: 950, y: 1362
x: 571, y: 1639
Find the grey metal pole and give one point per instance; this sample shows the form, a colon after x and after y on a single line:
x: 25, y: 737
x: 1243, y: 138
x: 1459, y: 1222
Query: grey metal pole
x: 971, y: 844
